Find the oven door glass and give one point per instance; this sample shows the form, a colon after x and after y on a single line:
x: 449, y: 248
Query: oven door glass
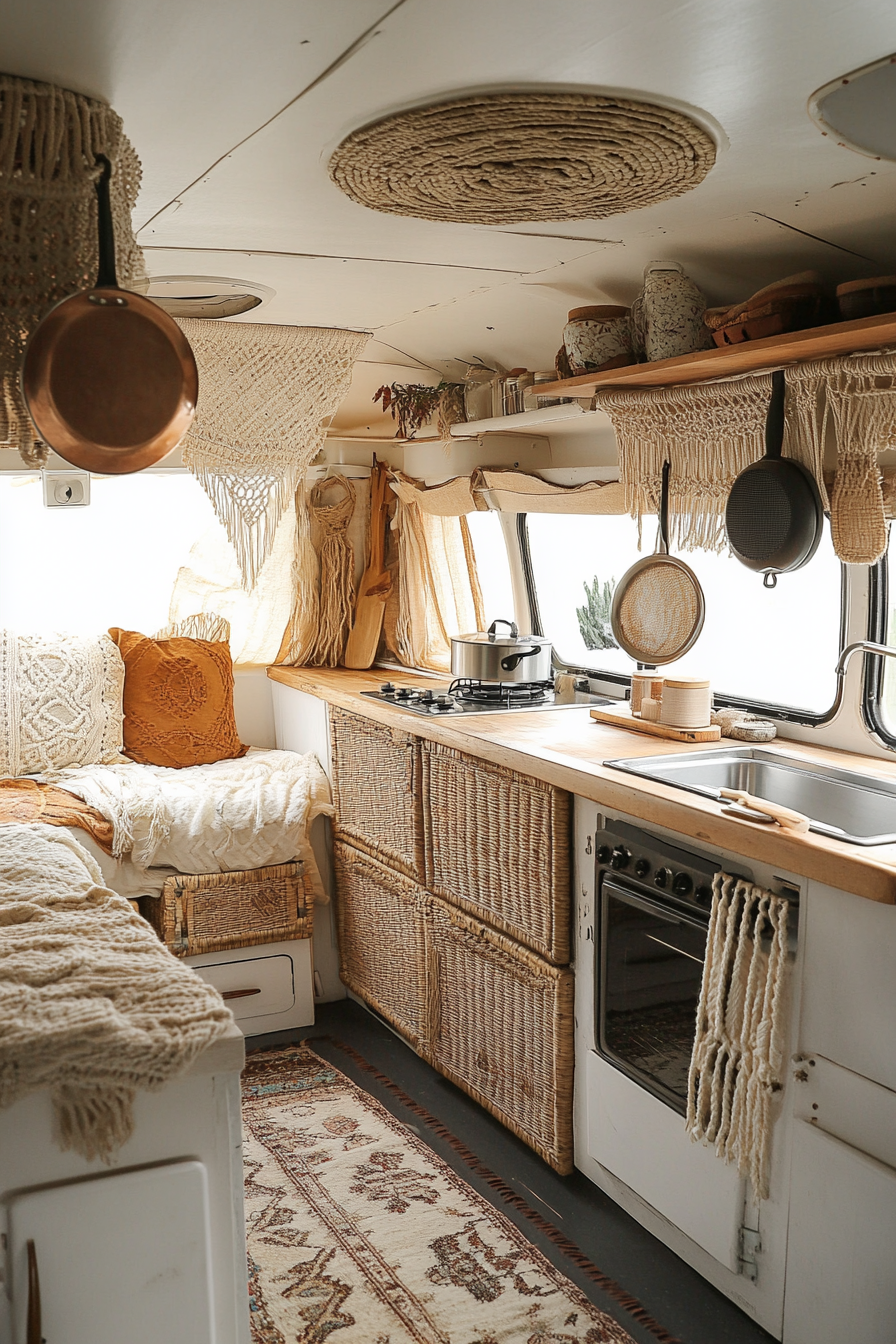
x: 650, y: 968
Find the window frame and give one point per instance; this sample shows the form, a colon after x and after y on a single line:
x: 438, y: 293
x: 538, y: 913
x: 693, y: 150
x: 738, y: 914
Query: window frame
x: 783, y: 713
x: 875, y: 664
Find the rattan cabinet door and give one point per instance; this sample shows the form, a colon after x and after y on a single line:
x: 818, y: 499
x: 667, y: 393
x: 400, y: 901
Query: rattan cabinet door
x: 380, y: 916
x: 377, y: 790
x: 501, y: 1027
x: 497, y: 844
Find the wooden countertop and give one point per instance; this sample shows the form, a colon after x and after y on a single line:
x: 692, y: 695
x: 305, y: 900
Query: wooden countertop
x: 566, y: 747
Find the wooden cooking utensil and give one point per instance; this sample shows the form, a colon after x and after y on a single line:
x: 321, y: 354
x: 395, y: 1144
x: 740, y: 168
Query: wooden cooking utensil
x: 376, y: 582
x: 791, y: 821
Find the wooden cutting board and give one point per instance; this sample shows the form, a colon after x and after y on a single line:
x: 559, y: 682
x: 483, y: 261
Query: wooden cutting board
x: 376, y: 582
x: 623, y: 718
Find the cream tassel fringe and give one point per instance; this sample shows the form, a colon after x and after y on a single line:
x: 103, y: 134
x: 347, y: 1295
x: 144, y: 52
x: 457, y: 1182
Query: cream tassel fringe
x: 737, y: 1064
x: 337, y: 583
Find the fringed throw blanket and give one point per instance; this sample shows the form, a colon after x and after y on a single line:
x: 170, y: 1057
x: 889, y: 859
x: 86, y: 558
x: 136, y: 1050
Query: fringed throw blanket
x: 92, y: 1005
x: 233, y: 815
x: 737, y: 1064
x: 27, y: 801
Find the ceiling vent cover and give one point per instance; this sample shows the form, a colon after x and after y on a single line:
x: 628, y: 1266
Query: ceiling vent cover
x: 208, y: 296
x: 515, y: 157
x: 858, y: 110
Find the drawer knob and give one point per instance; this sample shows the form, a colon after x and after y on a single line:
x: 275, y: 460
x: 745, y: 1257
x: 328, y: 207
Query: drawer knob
x: 239, y: 993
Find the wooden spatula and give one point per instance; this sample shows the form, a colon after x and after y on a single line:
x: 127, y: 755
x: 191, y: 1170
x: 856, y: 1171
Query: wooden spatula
x: 376, y: 582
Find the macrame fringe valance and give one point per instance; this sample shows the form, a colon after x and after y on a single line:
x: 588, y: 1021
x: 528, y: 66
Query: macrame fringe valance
x: 738, y: 1060
x: 49, y: 140
x: 509, y: 157
x: 266, y: 395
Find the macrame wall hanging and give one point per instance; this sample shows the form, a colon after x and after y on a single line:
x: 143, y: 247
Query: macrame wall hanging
x: 49, y: 140
x: 265, y: 396
x: 511, y: 157
x: 332, y: 504
x: 709, y: 432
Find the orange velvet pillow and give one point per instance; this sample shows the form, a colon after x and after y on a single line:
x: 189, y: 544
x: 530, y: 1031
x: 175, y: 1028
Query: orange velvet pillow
x: 178, y: 700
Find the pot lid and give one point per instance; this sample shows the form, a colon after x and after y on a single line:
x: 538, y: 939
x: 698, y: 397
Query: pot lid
x: 498, y: 641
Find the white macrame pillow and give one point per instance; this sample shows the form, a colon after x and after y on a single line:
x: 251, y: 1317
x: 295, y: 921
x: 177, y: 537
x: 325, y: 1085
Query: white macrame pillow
x: 60, y: 702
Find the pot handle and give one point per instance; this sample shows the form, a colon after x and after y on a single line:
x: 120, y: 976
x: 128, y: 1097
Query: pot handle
x: 514, y: 628
x: 106, y: 272
x: 513, y: 660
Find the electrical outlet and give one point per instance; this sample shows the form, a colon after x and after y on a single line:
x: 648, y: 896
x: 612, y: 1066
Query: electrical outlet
x: 66, y: 489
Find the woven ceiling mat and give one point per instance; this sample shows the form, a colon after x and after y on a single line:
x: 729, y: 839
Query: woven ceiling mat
x: 266, y: 395
x: 49, y: 140
x: 511, y: 157
x: 709, y: 432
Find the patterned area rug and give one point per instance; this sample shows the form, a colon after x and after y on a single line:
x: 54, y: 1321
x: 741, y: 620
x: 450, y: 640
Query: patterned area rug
x: 359, y: 1232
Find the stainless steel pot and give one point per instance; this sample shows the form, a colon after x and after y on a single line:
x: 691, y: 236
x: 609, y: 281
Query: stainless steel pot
x: 488, y: 656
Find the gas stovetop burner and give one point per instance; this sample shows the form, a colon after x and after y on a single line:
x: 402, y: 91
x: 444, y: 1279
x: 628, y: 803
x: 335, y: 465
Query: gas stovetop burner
x: 502, y: 693
x: 476, y: 697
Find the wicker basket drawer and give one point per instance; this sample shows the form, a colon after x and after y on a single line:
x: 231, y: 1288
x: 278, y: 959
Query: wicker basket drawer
x: 497, y: 844
x: 501, y: 1027
x: 212, y: 912
x: 380, y: 915
x: 377, y: 790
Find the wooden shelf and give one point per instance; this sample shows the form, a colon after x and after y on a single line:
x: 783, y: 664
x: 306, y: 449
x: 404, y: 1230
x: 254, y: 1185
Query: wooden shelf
x: 840, y: 338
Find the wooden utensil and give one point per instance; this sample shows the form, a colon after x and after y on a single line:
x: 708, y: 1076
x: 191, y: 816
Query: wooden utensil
x: 108, y: 377
x: 791, y: 821
x: 376, y: 582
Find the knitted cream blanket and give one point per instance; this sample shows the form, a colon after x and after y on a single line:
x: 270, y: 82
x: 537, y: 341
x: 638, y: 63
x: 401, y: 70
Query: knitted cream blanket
x: 226, y: 817
x: 92, y: 1005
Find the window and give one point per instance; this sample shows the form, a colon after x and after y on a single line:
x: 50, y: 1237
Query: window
x: 882, y: 680
x: 492, y: 566
x: 765, y: 646
x: 81, y: 570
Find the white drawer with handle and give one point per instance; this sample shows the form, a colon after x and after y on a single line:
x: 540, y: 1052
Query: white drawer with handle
x: 267, y: 988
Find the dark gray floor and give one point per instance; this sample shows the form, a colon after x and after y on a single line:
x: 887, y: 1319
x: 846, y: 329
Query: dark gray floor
x: 677, y: 1298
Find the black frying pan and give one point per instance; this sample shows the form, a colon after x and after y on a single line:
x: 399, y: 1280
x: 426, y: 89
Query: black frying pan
x: 774, y: 516
x: 108, y: 377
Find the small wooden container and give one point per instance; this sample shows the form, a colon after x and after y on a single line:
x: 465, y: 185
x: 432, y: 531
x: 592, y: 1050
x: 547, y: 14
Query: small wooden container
x: 687, y: 702
x: 645, y: 685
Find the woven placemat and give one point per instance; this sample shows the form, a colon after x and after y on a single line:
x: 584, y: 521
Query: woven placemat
x: 508, y: 158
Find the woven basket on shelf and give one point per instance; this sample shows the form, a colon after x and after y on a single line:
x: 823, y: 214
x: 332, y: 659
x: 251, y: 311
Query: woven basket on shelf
x: 497, y: 844
x: 380, y: 917
x: 501, y: 1027
x: 212, y: 912
x: 377, y: 790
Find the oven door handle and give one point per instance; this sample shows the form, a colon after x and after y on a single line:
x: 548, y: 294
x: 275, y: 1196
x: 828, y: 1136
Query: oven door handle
x: 670, y: 913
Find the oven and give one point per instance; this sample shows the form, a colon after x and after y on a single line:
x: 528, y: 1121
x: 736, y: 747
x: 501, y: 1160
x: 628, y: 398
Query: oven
x: 653, y: 904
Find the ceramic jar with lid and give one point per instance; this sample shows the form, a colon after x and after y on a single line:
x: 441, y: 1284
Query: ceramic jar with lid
x: 686, y: 703
x: 598, y: 337
x: 667, y: 316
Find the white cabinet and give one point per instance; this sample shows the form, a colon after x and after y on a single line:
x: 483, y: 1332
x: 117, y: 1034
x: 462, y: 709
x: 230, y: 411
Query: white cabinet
x: 120, y: 1257
x: 840, y: 1280
x: 267, y: 988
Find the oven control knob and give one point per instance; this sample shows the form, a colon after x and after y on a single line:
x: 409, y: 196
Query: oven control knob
x: 642, y: 868
x: 662, y: 877
x: 402, y: 693
x: 603, y: 854
x: 704, y: 896
x: 444, y: 702
x: 427, y: 698
x: 682, y: 884
x: 620, y: 857
x: 387, y: 688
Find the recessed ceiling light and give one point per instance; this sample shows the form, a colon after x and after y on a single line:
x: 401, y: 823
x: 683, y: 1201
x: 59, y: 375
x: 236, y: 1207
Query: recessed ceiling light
x: 858, y: 110
x: 209, y: 296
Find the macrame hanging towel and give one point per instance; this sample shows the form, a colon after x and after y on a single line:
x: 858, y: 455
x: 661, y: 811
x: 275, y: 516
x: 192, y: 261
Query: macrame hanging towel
x: 709, y: 432
x: 49, y: 140
x: 738, y: 1060
x: 337, y: 567
x: 266, y: 394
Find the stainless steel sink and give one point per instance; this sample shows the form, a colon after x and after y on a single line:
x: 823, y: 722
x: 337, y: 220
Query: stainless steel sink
x: 844, y: 804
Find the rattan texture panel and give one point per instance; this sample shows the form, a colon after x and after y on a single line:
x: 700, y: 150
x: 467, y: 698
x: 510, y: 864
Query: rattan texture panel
x: 497, y: 844
x: 501, y: 1027
x: 381, y: 920
x: 377, y: 791
x: 212, y: 912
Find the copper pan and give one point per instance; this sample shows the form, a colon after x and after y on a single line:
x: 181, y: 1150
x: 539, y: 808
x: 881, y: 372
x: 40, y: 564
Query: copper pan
x: 108, y: 377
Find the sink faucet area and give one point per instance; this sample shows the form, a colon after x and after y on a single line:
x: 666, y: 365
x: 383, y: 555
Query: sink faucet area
x: 844, y: 804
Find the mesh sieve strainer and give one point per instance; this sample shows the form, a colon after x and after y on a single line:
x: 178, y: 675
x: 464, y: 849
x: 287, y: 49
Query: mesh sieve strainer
x: 658, y: 606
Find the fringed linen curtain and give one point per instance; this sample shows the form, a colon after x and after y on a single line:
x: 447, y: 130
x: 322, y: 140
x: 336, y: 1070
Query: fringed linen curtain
x: 266, y: 395
x: 439, y: 593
